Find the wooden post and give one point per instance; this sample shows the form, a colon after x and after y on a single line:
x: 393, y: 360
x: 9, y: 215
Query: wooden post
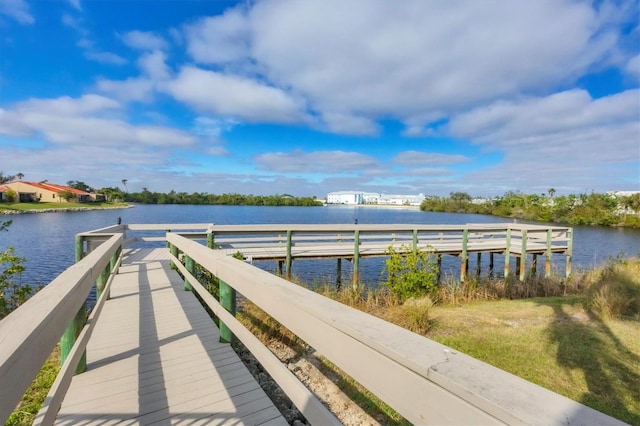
x: 479, y: 260
x: 415, y: 240
x: 289, y: 257
x: 280, y: 264
x: 523, y: 255
x: 228, y: 301
x: 507, y: 254
x: 547, y: 264
x: 491, y: 264
x: 439, y: 257
x: 102, y: 281
x: 68, y: 339
x: 534, y: 265
x: 191, y: 267
x: 356, y: 257
x: 339, y: 273
x: 569, y: 251
x: 72, y: 331
x: 211, y: 243
x: 79, y: 248
x: 173, y: 249
x: 464, y: 258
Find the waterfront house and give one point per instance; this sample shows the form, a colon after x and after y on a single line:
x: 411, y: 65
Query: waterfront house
x: 3, y: 192
x: 46, y: 192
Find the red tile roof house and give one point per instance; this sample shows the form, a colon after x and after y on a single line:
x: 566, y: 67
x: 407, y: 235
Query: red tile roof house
x: 45, y: 192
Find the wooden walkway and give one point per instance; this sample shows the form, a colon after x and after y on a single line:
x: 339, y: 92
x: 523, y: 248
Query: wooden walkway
x: 155, y: 358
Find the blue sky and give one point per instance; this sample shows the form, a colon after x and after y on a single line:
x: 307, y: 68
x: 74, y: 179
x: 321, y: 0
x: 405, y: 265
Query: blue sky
x: 311, y: 96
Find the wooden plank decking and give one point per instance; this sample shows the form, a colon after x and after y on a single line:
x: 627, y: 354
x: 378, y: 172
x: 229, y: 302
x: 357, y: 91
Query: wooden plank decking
x: 154, y: 358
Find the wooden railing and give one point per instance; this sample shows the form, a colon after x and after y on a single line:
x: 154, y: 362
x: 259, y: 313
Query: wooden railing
x: 56, y: 313
x: 422, y: 380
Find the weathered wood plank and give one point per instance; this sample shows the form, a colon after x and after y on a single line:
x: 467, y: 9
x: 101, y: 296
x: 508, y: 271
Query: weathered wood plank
x: 155, y: 357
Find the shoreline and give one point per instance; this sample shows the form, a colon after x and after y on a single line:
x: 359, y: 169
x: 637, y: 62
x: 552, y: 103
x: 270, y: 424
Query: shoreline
x: 376, y: 206
x: 61, y: 210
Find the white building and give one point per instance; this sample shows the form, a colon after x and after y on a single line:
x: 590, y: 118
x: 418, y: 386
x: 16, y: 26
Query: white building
x: 345, y: 197
x: 358, y: 197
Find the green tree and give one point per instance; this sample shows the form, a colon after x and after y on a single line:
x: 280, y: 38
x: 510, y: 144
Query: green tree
x: 12, y: 295
x: 410, y: 273
x: 20, y: 175
x: 66, y: 195
x: 78, y: 184
x: 6, y: 178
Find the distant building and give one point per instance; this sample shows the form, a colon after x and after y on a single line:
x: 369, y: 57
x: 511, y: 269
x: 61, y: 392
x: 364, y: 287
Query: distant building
x: 27, y: 192
x: 359, y: 197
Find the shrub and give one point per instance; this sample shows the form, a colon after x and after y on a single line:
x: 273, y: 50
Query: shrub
x: 410, y: 273
x: 616, y: 291
x: 416, y: 314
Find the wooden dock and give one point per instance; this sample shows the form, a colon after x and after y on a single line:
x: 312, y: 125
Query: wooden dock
x: 155, y: 358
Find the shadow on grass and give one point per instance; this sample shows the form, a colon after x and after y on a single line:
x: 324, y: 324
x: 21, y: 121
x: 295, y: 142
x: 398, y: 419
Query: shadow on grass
x: 611, y: 370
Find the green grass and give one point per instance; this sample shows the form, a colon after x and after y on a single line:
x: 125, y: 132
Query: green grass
x: 555, y: 343
x: 45, y: 206
x: 30, y: 404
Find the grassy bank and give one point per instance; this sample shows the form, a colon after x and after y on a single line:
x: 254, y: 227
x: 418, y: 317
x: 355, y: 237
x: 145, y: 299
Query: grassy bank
x: 22, y: 207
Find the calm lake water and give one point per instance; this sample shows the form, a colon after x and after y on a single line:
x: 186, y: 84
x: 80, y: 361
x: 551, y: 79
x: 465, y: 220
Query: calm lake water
x: 47, y: 240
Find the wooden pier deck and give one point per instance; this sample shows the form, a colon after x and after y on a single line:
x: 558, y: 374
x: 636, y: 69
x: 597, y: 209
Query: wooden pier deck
x: 155, y: 358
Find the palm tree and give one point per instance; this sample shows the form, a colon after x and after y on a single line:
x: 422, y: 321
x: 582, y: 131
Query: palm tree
x: 551, y: 192
x: 20, y: 176
x: 124, y: 182
x: 6, y: 178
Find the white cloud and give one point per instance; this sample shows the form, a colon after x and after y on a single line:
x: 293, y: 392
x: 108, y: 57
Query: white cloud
x: 105, y: 57
x: 16, y: 9
x: 420, y: 158
x: 234, y: 97
x: 144, y: 40
x: 219, y: 39
x: 633, y: 67
x: 75, y: 4
x: 349, y: 124
x: 316, y: 162
x: 87, y: 120
x: 131, y: 89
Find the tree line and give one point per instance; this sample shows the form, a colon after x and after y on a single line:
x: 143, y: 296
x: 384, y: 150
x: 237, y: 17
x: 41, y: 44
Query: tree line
x: 574, y: 209
x: 203, y: 198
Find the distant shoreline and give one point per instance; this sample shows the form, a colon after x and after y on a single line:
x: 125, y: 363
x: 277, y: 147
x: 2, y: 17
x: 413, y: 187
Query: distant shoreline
x: 5, y: 212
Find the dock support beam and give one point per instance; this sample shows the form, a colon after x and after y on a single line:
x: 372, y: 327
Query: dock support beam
x: 464, y: 257
x: 523, y: 256
x: 339, y: 273
x: 547, y: 264
x: 479, y: 262
x: 491, y: 264
x: 569, y: 252
x: 356, y: 257
x: 439, y: 260
x: 289, y: 257
x: 507, y: 254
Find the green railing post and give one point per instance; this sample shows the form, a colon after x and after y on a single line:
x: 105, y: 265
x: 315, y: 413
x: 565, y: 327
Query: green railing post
x: 464, y: 256
x: 102, y: 281
x: 79, y: 248
x: 191, y: 267
x: 523, y: 256
x: 415, y: 240
x: 356, y: 257
x: 569, y: 252
x: 68, y: 339
x: 507, y: 254
x: 547, y: 265
x: 70, y: 335
x: 173, y: 249
x: 228, y: 301
x: 289, y: 257
x: 211, y: 242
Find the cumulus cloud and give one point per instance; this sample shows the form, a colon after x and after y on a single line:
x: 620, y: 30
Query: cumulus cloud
x: 233, y: 96
x: 16, y: 9
x: 316, y: 162
x: 633, y: 67
x: 144, y: 40
x: 349, y: 124
x: 220, y: 39
x: 86, y: 120
x: 420, y: 158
